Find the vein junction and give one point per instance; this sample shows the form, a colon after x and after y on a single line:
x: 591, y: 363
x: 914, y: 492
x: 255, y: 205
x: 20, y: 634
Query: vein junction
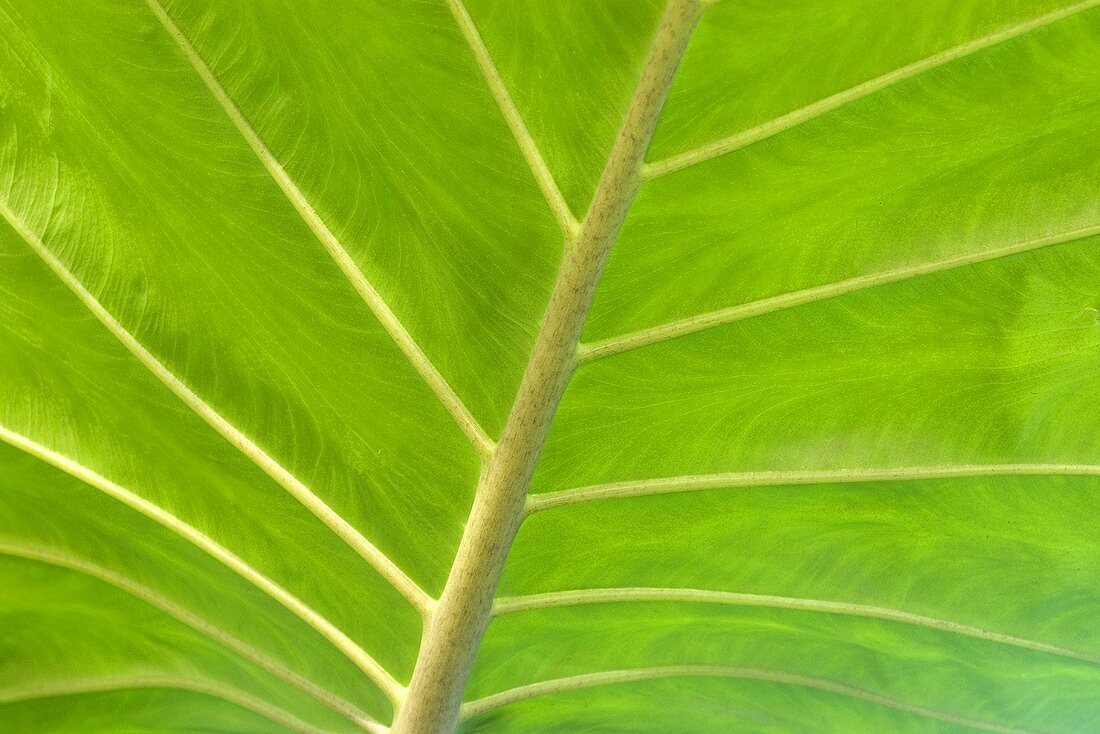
x: 455, y: 630
x: 697, y: 323
x: 712, y: 319
x: 502, y: 498
x: 568, y: 223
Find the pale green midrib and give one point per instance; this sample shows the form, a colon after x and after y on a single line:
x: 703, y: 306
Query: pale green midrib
x: 416, y: 596
x: 731, y: 480
x: 611, y: 677
x: 453, y: 635
x: 828, y: 104
x: 194, y: 621
x: 711, y: 319
x: 366, y: 290
x: 214, y: 689
x: 577, y: 597
x: 379, y: 675
x: 545, y: 179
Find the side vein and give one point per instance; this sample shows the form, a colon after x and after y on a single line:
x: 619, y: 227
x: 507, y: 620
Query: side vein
x: 195, y: 622
x: 341, y: 527
x: 215, y: 550
x: 701, y: 322
x: 393, y: 326
x: 578, y: 682
x: 568, y: 223
x: 209, y: 688
x: 699, y: 482
x: 511, y: 605
x: 828, y: 104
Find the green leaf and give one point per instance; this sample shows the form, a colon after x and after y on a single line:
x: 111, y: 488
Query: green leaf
x: 522, y: 366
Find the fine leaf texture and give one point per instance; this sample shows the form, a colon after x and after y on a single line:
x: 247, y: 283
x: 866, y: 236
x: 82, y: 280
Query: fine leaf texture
x: 271, y: 275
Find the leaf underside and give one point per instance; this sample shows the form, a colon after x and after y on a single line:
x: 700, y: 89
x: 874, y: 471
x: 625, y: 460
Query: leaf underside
x: 270, y: 274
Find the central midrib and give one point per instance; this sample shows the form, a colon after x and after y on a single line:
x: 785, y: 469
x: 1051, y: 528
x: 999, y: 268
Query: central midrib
x: 455, y: 627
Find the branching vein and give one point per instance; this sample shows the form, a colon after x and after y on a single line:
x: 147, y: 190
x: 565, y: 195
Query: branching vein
x: 195, y: 622
x: 453, y: 634
x: 828, y: 104
x: 511, y: 605
x: 216, y: 551
x: 699, y: 482
x: 568, y: 223
x: 393, y: 326
x: 578, y: 682
x: 341, y: 527
x: 701, y: 322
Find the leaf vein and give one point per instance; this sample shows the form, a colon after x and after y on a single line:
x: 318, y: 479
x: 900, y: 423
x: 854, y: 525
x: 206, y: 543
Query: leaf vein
x: 366, y: 290
x: 215, y: 550
x: 610, y: 677
x: 165, y: 682
x: 451, y: 638
x: 828, y: 104
x: 195, y: 622
x: 730, y: 480
x: 711, y: 319
x: 511, y: 605
x: 416, y: 596
x: 545, y: 179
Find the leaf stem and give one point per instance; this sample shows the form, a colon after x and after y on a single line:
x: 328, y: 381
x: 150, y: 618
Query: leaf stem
x: 454, y: 632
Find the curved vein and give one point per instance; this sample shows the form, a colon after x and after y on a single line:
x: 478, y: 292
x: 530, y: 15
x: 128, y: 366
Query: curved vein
x: 699, y: 482
x: 209, y: 688
x: 335, y: 522
x: 611, y: 677
x: 701, y: 322
x: 393, y: 326
x: 828, y: 104
x: 209, y: 629
x: 568, y: 223
x: 215, y: 550
x: 511, y: 605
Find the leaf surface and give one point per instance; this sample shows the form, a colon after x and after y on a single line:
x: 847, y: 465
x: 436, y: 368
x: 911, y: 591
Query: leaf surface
x: 271, y: 276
